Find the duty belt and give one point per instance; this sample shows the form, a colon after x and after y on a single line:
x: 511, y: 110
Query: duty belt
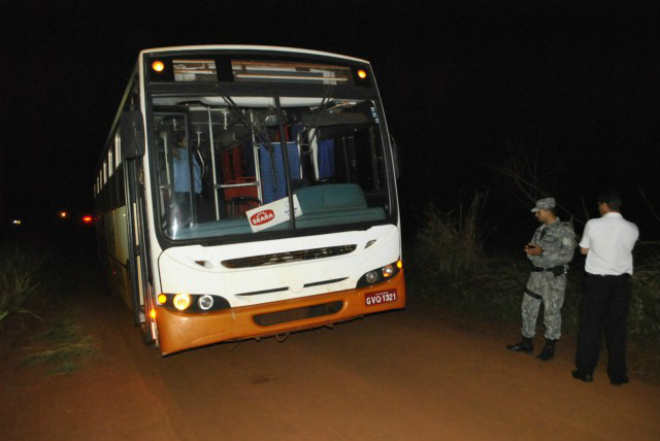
x: 555, y: 270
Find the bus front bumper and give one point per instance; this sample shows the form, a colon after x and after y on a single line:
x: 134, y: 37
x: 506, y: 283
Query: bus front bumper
x: 179, y: 330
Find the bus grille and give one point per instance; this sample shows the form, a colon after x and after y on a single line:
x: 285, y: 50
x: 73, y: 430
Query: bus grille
x: 291, y: 315
x: 292, y: 256
x: 307, y: 285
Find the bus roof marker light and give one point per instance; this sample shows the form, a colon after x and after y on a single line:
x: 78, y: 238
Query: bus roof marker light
x: 158, y: 66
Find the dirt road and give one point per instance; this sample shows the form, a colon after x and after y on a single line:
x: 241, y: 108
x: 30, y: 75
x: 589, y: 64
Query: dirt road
x: 407, y: 375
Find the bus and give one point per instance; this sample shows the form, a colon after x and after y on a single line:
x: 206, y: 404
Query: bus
x: 246, y: 192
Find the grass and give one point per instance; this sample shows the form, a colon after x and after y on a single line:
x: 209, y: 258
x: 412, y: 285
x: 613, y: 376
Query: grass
x: 449, y: 247
x: 32, y: 291
x: 645, y: 305
x: 19, y: 279
x: 62, y: 347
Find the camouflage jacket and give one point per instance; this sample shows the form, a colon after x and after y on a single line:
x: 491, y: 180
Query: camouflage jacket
x: 558, y: 242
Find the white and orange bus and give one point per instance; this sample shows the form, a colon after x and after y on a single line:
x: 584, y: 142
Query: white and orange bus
x: 211, y: 152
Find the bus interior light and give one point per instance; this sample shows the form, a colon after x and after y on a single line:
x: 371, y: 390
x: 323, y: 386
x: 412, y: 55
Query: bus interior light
x: 362, y: 74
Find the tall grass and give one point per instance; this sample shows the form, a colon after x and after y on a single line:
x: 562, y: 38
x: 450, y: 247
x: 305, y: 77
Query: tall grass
x: 32, y: 282
x: 645, y: 305
x: 19, y: 279
x: 449, y: 247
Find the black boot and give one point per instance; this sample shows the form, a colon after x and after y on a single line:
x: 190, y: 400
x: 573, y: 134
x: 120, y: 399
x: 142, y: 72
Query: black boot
x: 526, y: 345
x: 548, y: 352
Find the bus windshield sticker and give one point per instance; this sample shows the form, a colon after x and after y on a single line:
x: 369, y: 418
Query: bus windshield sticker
x: 272, y: 214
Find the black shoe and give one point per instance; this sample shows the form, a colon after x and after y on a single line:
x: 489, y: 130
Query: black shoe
x: 525, y: 345
x: 548, y: 352
x: 587, y: 378
x: 618, y: 381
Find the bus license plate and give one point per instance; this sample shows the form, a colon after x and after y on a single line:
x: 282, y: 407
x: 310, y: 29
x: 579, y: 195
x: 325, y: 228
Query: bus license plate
x: 378, y: 298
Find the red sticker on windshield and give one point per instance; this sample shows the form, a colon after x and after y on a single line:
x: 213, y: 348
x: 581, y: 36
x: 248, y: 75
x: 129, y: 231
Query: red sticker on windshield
x: 262, y: 217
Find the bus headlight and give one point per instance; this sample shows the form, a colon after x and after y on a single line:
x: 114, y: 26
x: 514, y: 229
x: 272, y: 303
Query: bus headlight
x: 205, y: 302
x: 192, y: 303
x: 380, y: 275
x: 182, y: 301
x: 371, y: 277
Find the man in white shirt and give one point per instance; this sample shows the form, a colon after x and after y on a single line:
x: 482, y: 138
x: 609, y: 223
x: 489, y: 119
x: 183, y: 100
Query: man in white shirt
x: 608, y: 243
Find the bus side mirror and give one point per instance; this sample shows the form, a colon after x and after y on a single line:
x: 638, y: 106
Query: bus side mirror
x: 395, y: 156
x: 132, y: 134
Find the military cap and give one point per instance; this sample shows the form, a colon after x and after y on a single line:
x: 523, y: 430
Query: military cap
x: 544, y: 204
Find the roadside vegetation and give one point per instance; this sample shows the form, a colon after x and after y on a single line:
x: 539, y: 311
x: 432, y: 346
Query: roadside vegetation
x: 19, y: 280
x: 35, y: 325
x: 448, y: 267
x: 61, y: 347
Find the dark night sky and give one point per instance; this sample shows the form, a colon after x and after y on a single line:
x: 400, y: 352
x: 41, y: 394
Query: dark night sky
x: 462, y: 82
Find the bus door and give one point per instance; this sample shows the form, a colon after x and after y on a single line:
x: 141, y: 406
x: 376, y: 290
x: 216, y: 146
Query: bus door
x: 133, y: 151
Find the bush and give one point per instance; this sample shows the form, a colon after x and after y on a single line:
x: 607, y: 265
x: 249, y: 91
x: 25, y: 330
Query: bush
x: 19, y: 271
x: 449, y: 248
x: 644, y: 319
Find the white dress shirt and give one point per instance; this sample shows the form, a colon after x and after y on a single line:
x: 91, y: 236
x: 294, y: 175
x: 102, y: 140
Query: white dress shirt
x: 610, y: 240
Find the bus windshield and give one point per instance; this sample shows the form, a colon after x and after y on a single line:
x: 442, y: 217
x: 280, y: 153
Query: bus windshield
x: 237, y: 165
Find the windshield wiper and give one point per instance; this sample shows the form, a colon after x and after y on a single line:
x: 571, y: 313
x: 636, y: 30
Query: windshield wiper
x: 236, y: 110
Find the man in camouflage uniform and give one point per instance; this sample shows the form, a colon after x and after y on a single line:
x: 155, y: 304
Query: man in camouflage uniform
x: 550, y: 251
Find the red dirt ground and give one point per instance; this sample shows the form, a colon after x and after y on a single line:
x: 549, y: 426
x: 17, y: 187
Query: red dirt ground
x: 409, y: 375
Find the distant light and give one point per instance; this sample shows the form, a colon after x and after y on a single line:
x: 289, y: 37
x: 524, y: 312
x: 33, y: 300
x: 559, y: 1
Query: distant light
x: 87, y: 219
x: 362, y: 74
x: 17, y: 222
x: 158, y: 66
x: 63, y: 214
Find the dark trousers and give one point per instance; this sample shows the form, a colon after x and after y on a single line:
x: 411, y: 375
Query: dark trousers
x: 604, y: 309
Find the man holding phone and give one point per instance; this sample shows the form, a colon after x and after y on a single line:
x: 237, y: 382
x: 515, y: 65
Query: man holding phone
x: 550, y: 251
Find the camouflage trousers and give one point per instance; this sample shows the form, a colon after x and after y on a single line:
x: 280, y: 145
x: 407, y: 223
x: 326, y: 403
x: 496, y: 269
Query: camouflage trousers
x: 543, y: 287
